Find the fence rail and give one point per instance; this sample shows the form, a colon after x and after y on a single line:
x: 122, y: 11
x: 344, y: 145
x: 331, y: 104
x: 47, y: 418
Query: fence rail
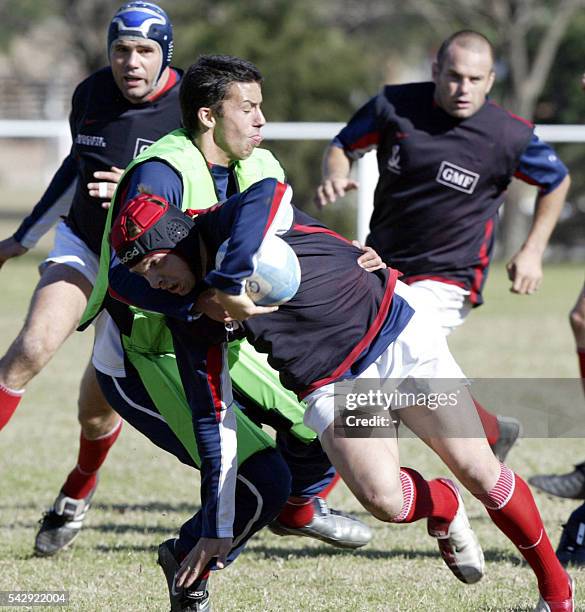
x: 367, y: 171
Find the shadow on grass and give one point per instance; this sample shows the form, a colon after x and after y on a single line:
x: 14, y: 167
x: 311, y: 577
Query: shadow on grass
x: 154, y: 506
x: 522, y: 609
x: 129, y: 528
x: 64, y: 556
x: 126, y: 548
x: 258, y: 547
x: 491, y: 555
x: 270, y: 552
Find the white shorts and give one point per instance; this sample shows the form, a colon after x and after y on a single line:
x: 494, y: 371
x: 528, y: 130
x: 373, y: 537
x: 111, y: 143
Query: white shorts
x: 108, y: 354
x: 419, y: 353
x: 451, y: 302
x: 70, y: 250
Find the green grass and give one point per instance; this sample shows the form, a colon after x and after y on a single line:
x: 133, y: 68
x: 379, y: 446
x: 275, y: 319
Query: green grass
x: 144, y: 495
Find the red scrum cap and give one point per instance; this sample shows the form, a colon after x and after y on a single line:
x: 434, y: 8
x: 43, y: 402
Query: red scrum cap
x: 147, y: 224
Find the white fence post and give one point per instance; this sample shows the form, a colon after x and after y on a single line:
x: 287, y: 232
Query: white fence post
x: 367, y: 173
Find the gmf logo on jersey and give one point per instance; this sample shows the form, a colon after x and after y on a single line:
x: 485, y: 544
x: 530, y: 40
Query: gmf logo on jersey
x: 457, y: 178
x: 141, y: 145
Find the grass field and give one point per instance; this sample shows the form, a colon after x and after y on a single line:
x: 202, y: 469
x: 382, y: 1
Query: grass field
x: 144, y: 495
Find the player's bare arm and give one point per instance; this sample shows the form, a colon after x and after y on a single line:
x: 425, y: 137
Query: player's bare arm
x: 10, y: 248
x: 336, y: 182
x: 525, y: 267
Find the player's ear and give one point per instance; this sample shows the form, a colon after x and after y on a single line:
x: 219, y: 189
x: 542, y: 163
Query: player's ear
x: 206, y: 117
x: 491, y: 80
x: 435, y: 71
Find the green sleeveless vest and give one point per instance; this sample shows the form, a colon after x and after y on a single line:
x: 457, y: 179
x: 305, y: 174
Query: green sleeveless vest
x: 149, y: 346
x: 178, y: 150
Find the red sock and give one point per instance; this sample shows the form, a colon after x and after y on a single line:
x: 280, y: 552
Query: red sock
x: 489, y: 422
x: 325, y: 492
x: 297, y: 512
x: 425, y: 498
x: 9, y: 400
x: 511, y: 506
x: 92, y: 453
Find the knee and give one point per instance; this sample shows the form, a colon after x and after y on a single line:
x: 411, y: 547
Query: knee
x: 383, y: 505
x: 577, y: 322
x: 479, y: 477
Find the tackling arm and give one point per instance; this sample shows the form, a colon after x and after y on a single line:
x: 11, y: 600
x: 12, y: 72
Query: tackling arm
x: 246, y: 218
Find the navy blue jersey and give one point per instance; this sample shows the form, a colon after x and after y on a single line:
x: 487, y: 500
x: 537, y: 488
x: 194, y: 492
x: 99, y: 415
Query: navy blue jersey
x: 341, y: 319
x: 329, y: 329
x: 107, y: 130
x: 442, y: 180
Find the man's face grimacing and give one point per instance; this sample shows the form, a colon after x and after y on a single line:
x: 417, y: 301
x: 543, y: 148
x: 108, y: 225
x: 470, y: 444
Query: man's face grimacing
x: 135, y: 66
x: 463, y: 80
x: 166, y: 271
x: 239, y: 121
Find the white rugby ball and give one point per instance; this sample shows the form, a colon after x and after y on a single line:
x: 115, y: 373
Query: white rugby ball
x: 277, y: 273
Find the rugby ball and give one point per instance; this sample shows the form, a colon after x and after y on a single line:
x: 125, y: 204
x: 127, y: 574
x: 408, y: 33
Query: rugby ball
x: 277, y: 273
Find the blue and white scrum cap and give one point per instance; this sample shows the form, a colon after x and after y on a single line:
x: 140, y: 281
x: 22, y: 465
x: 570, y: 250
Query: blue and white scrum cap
x: 143, y: 20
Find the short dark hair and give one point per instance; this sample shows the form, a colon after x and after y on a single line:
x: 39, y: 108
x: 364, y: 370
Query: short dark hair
x: 468, y: 39
x: 206, y: 84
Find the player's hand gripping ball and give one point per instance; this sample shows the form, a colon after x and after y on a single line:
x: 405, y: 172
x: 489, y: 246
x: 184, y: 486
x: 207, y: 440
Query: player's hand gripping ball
x: 277, y: 273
